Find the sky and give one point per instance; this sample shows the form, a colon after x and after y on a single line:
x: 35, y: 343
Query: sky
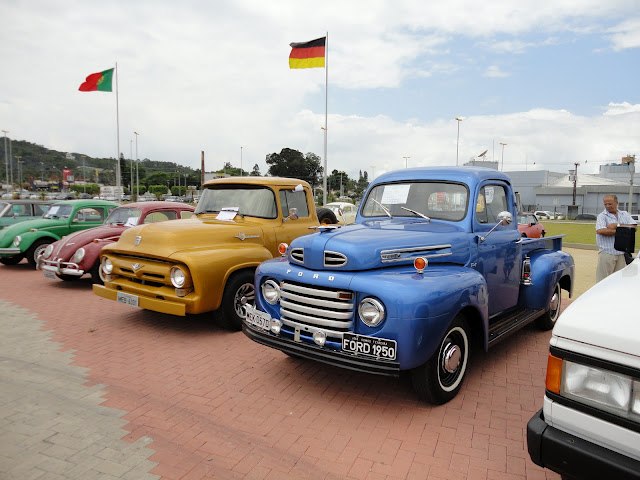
x: 556, y: 82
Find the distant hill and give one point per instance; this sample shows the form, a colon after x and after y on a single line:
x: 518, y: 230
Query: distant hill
x: 36, y: 162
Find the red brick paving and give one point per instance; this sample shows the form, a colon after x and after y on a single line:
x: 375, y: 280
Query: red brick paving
x: 220, y: 406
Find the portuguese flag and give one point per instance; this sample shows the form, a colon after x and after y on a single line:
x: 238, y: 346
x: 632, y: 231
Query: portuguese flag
x: 307, y: 54
x: 100, y: 81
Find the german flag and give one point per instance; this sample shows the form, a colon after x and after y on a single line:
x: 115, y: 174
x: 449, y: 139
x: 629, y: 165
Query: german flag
x: 308, y: 54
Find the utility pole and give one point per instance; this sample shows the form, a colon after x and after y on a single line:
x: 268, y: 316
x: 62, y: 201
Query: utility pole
x: 502, y: 161
x: 575, y: 182
x: 6, y: 156
x: 405, y: 161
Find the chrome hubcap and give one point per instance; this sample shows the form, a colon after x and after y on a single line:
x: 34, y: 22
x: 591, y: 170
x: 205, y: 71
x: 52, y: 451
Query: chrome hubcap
x: 451, y: 356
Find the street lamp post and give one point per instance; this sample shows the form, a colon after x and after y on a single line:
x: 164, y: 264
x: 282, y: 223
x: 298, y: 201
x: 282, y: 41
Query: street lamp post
x: 137, y: 172
x: 458, y: 119
x: 19, y: 161
x: 6, y: 156
x: 502, y: 160
x: 405, y: 161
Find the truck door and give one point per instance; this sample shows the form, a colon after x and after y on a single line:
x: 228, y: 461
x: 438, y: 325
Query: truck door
x: 499, y: 254
x: 292, y: 228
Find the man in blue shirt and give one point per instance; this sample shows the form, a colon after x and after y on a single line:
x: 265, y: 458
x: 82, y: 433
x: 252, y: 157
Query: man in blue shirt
x: 609, y: 259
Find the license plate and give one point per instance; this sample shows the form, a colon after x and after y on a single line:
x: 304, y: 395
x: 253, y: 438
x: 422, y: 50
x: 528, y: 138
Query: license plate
x: 127, y: 299
x: 49, y: 274
x: 257, y: 318
x: 372, y: 347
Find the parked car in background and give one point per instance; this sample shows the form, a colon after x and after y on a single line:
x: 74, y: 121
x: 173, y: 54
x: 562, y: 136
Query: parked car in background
x: 589, y: 426
x: 30, y: 238
x: 14, y: 211
x: 79, y: 253
x: 345, y: 212
x: 543, y: 214
x: 635, y: 217
x: 529, y: 226
x: 586, y: 216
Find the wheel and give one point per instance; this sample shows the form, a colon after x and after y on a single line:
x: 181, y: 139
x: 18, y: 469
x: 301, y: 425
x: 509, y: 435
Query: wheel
x: 36, y: 249
x: 548, y: 320
x: 326, y: 217
x: 96, y: 275
x: 439, y: 379
x: 16, y: 259
x: 237, y: 293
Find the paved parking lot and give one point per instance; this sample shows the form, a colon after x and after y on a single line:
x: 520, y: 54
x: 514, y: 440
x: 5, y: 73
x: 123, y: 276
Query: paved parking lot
x: 91, y: 389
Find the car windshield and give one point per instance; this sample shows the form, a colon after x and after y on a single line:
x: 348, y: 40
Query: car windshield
x: 252, y: 201
x: 58, y: 211
x: 437, y: 200
x: 124, y: 216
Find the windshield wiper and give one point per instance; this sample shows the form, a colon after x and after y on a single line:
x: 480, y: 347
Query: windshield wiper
x: 416, y: 213
x: 386, y: 210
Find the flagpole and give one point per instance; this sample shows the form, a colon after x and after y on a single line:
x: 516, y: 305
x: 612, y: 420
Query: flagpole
x: 326, y: 96
x: 117, y: 132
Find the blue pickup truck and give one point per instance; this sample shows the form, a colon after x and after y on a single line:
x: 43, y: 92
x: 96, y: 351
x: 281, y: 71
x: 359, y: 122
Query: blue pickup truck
x: 433, y: 266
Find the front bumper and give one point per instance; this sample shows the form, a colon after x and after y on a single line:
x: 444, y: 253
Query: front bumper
x: 10, y: 252
x: 574, y: 457
x: 148, y: 303
x: 314, y: 352
x: 61, y: 268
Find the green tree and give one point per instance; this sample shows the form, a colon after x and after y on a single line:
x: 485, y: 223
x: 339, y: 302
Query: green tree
x: 292, y: 163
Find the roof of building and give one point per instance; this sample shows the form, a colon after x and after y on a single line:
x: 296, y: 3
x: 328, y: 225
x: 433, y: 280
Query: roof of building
x: 585, y: 179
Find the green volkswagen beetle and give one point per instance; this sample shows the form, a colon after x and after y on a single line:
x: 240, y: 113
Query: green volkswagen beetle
x: 29, y: 239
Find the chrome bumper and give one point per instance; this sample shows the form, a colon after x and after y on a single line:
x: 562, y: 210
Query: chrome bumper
x: 61, y: 268
x: 10, y: 251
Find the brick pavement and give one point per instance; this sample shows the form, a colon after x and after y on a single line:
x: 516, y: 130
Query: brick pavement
x: 144, y: 395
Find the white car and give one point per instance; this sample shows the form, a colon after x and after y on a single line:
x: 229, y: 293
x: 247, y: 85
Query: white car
x: 345, y: 212
x: 589, y: 426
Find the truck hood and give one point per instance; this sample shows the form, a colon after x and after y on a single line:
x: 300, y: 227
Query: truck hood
x: 379, y: 244
x: 165, y: 239
x: 606, y: 315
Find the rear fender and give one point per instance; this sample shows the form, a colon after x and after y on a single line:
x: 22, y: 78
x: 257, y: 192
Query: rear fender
x: 547, y: 268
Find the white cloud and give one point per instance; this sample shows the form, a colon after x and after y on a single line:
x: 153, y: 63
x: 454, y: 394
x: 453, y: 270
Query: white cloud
x: 494, y: 71
x: 626, y: 34
x: 621, y: 108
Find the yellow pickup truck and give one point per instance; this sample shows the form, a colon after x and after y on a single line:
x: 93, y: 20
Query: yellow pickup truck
x: 207, y: 263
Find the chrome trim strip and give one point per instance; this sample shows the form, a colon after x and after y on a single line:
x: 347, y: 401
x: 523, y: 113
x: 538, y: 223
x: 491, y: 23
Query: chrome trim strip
x: 416, y: 249
x: 319, y: 315
x: 313, y: 321
x: 312, y: 291
x: 344, y: 305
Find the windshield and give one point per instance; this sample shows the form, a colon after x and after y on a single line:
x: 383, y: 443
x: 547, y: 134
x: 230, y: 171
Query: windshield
x: 124, y: 216
x: 58, y: 211
x: 437, y: 200
x: 255, y: 201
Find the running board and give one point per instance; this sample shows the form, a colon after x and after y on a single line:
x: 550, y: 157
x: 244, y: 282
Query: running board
x: 510, y: 323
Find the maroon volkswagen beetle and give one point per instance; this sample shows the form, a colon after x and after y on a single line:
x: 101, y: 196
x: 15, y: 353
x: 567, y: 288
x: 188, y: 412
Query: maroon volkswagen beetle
x: 79, y: 253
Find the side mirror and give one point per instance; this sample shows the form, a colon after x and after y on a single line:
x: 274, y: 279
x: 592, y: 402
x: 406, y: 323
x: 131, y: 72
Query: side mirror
x: 504, y: 218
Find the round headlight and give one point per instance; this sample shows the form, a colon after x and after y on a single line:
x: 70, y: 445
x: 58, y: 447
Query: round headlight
x: 271, y: 291
x: 178, y: 277
x: 107, y: 266
x: 371, y: 312
x: 17, y: 240
x: 77, y: 257
x: 47, y: 251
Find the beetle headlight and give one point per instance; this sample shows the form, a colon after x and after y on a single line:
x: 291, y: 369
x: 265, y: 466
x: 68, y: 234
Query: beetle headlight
x: 371, y: 312
x: 17, y: 240
x: 77, y: 257
x: 178, y: 277
x: 47, y: 251
x: 271, y: 291
x: 107, y: 266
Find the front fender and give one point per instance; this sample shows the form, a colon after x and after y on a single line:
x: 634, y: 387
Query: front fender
x: 210, y: 269
x: 418, y: 307
x: 29, y: 238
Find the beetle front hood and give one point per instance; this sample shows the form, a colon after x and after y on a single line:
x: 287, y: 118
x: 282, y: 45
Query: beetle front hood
x: 165, y: 239
x: 589, y: 318
x: 378, y: 244
x: 67, y: 246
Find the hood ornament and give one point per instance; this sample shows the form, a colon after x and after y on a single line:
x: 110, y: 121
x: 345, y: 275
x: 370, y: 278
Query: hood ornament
x: 137, y: 241
x: 243, y: 236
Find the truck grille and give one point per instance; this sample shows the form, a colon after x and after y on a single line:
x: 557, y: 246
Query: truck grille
x: 329, y: 309
x: 334, y: 259
x: 297, y: 254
